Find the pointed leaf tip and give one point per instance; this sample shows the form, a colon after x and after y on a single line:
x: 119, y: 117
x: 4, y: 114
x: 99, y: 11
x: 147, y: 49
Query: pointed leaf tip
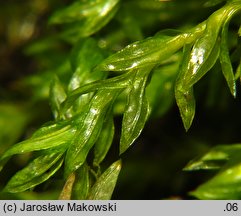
x: 186, y: 103
x: 105, y: 184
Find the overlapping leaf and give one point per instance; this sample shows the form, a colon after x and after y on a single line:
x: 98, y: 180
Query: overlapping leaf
x: 184, y: 96
x: 136, y: 112
x: 45, y: 138
x: 225, y: 60
x: 84, y: 57
x: 200, y: 60
x: 81, y: 184
x: 105, y: 139
x: 38, y: 171
x: 215, y: 158
x: 149, y: 52
x: 226, y: 183
x: 224, y: 186
x: 119, y: 82
x: 85, y: 17
x: 89, y: 129
x: 105, y: 184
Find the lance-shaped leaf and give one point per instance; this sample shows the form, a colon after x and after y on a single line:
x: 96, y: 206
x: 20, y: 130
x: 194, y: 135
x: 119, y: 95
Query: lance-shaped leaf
x: 84, y: 57
x: 203, y: 56
x: 215, y: 158
x: 105, y: 184
x: 238, y: 71
x: 105, y: 139
x: 186, y: 103
x: 57, y: 95
x: 223, y: 186
x: 206, y: 49
x: 225, y: 60
x: 149, y: 52
x: 38, y: 171
x: 86, y: 17
x: 136, y: 113
x: 118, y: 82
x: 89, y: 130
x: 81, y: 184
x: 45, y: 138
x: 185, y: 97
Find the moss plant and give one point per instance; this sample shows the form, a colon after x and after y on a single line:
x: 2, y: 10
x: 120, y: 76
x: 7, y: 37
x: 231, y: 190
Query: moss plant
x: 108, y: 59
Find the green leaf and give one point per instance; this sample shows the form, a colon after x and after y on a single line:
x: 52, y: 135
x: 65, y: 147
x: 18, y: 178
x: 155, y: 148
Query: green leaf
x: 214, y: 158
x: 186, y: 103
x: 149, y: 52
x: 45, y: 138
x: 84, y: 57
x: 225, y: 60
x: 203, y: 56
x: 85, y: 17
x: 118, y: 82
x: 238, y: 71
x: 206, y: 49
x: 38, y: 171
x: 81, y: 184
x: 199, y: 61
x: 136, y: 112
x: 105, y: 184
x: 184, y: 97
x: 57, y: 95
x: 105, y: 139
x: 90, y: 127
x: 224, y: 186
x: 160, y: 90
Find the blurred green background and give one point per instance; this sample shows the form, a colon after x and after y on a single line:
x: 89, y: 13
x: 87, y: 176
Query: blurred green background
x: 32, y: 51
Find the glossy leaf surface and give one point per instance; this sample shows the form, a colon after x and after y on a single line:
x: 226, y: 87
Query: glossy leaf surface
x: 105, y: 139
x: 135, y: 114
x: 185, y: 97
x: 84, y: 57
x: 225, y: 185
x: 119, y: 82
x: 105, y: 184
x: 45, y: 138
x: 148, y: 52
x: 85, y: 17
x: 38, y: 171
x: 215, y: 158
x: 225, y: 60
x: 89, y: 129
